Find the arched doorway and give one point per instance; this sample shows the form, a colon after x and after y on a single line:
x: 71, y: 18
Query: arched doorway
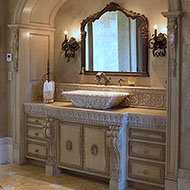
x: 38, y: 17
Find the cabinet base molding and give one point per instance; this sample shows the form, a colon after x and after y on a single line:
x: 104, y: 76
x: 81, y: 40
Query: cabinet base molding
x: 83, y: 172
x: 142, y: 186
x: 36, y: 162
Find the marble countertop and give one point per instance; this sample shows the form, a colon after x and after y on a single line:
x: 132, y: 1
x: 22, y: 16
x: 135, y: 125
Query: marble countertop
x: 119, y: 110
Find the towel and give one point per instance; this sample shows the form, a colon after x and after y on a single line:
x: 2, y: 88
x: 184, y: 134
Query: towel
x: 48, y: 91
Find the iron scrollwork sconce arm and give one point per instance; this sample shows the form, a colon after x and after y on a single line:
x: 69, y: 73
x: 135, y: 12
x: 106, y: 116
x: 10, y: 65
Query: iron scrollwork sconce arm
x: 70, y: 46
x: 158, y: 44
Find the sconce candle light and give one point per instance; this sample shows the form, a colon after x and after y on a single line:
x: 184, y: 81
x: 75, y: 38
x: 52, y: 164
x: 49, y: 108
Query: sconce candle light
x: 158, y: 43
x: 69, y: 46
x: 65, y: 32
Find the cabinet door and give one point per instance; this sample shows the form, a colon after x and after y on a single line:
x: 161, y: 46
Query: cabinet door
x: 69, y: 145
x: 95, y: 152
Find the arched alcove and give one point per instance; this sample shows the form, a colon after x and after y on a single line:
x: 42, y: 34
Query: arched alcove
x: 35, y: 18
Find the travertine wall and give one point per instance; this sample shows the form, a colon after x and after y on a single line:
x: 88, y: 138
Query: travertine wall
x: 185, y: 87
x: 3, y: 71
x: 71, y: 15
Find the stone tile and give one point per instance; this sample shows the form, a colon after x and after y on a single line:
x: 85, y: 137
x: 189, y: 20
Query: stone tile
x: 29, y: 177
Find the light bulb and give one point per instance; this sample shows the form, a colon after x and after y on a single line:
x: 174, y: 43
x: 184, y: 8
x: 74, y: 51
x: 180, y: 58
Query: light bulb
x: 155, y: 27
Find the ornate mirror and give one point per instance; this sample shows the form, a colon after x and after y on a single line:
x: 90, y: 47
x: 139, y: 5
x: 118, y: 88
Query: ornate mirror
x: 114, y: 41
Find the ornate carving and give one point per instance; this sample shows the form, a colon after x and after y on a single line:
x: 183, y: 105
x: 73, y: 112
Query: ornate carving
x: 69, y: 145
x: 94, y: 150
x: 34, y: 108
x: 14, y: 45
x: 49, y: 132
x: 147, y: 121
x: 114, y: 138
x: 96, y: 116
x: 139, y: 97
x: 172, y: 29
x: 115, y: 7
x: 95, y: 99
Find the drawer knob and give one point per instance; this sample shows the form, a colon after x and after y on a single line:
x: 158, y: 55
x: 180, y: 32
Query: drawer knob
x: 145, y: 172
x: 36, y: 121
x: 146, y: 151
x: 94, y: 150
x: 69, y: 145
x: 36, y: 134
x: 36, y: 150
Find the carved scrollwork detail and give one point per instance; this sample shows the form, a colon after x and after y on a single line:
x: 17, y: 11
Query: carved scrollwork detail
x: 114, y: 138
x: 172, y: 29
x: 49, y: 132
x: 14, y: 44
x: 94, y: 150
x: 69, y: 145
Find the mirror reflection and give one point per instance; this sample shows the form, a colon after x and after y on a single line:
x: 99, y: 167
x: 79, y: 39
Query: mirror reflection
x: 114, y: 40
x: 114, y: 43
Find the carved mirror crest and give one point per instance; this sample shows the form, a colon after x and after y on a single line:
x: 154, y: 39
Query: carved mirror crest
x: 114, y: 41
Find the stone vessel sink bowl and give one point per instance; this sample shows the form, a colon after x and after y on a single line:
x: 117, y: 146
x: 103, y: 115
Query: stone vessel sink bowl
x: 94, y: 99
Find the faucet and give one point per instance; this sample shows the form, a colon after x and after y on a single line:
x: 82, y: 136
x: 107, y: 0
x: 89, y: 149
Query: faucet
x: 119, y: 81
x: 101, y: 75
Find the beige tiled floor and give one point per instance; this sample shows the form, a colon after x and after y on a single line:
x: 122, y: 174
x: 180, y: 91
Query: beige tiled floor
x: 29, y: 177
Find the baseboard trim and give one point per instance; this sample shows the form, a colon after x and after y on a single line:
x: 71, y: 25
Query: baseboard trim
x: 183, y: 179
x: 6, y: 149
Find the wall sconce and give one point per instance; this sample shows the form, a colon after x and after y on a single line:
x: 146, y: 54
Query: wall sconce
x: 158, y: 43
x: 69, y: 46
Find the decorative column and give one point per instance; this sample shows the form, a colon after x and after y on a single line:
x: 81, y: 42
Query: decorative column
x: 15, y: 107
x: 49, y: 132
x: 173, y: 99
x: 114, y: 143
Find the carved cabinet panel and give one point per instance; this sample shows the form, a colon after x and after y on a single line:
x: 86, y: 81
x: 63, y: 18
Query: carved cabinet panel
x: 69, y: 145
x: 146, y: 171
x: 35, y: 132
x: 95, y: 152
x: 82, y: 147
x: 37, y: 150
x: 146, y: 150
x: 148, y: 135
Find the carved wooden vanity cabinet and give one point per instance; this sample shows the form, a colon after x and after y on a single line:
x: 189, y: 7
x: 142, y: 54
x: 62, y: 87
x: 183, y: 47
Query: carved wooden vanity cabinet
x: 124, y: 145
x: 83, y: 147
x: 146, y: 154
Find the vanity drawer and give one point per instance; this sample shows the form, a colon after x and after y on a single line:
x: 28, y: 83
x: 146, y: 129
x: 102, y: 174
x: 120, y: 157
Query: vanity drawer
x: 37, y: 150
x: 145, y: 150
x: 146, y: 171
x: 147, y: 135
x: 35, y: 120
x: 35, y: 132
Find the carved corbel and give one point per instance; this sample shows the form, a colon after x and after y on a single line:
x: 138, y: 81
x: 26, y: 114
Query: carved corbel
x: 49, y: 132
x: 14, y: 45
x: 114, y: 144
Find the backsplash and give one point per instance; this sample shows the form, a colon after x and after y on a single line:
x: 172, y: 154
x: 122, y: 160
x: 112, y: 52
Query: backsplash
x: 142, y: 97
